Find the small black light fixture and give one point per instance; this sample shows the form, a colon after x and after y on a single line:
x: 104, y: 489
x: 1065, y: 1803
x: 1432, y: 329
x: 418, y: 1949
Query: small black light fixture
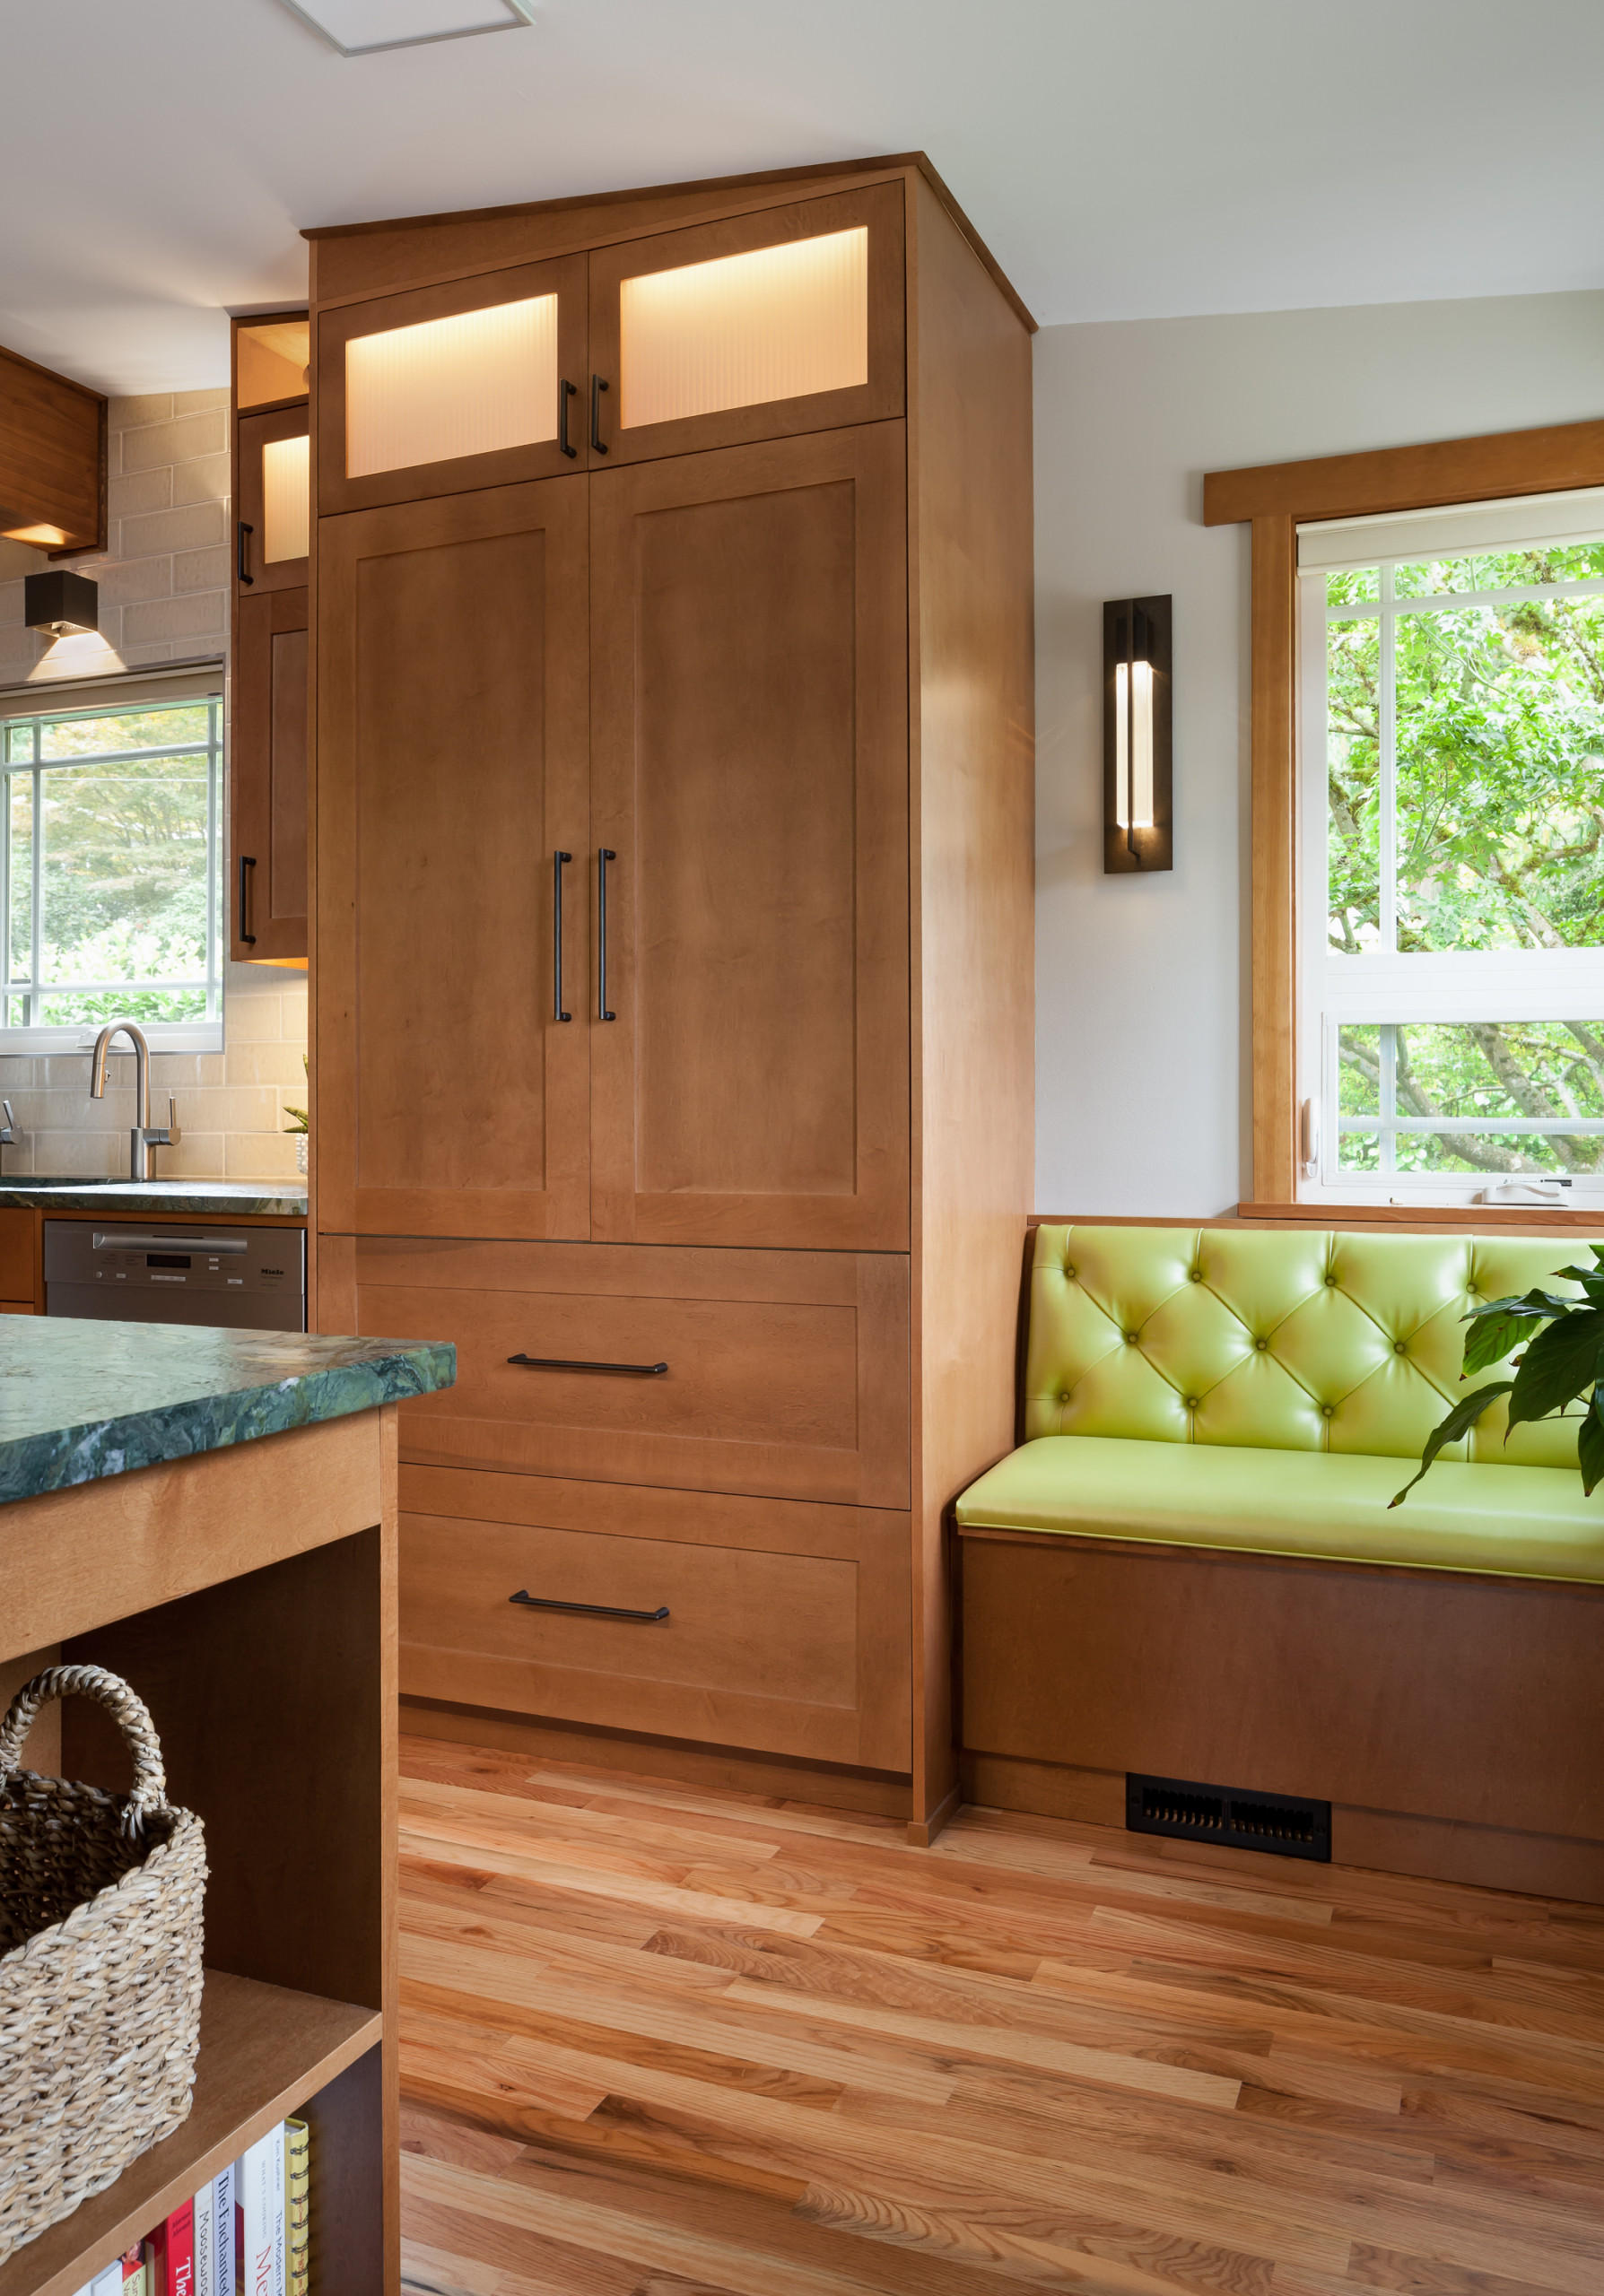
x: 1136, y: 818
x: 60, y: 603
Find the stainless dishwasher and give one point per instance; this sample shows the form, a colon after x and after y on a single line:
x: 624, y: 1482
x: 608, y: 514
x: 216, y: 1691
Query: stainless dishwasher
x: 244, y: 1279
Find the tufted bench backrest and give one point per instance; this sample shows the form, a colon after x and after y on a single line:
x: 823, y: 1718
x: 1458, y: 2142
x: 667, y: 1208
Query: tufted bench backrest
x: 1289, y: 1340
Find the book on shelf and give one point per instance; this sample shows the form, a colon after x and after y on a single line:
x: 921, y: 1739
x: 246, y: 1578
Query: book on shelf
x: 297, y: 2206
x: 246, y: 2233
x: 261, y: 2216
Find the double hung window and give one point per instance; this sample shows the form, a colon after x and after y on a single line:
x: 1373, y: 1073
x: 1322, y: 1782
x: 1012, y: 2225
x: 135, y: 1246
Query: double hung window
x: 110, y: 865
x: 1451, y: 1037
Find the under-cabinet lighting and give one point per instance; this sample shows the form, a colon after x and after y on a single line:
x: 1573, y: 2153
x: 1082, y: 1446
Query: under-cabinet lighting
x: 361, y: 27
x: 1135, y: 736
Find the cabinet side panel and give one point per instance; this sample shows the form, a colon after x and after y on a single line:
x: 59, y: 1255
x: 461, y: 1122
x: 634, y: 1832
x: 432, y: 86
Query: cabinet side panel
x: 969, y: 498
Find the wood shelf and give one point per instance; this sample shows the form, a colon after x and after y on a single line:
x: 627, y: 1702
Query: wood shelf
x: 263, y: 2051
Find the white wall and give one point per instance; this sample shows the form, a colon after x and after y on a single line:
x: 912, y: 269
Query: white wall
x: 1142, y: 984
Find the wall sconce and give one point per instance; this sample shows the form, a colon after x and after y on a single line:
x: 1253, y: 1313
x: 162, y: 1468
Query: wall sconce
x: 1137, y: 829
x: 60, y: 603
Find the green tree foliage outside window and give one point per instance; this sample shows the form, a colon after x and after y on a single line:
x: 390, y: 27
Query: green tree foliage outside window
x: 111, y: 833
x: 1497, y: 726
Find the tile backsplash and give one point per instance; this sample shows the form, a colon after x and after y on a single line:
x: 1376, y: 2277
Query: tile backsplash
x: 163, y: 580
x: 230, y: 1104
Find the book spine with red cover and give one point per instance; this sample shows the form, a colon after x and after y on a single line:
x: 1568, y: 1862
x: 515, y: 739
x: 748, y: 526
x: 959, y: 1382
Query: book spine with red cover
x: 172, y: 2254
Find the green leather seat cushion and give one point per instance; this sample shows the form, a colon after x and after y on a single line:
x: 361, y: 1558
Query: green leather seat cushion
x: 1524, y: 1522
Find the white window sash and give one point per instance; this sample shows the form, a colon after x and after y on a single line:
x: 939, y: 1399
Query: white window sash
x: 200, y: 1034
x: 1331, y: 990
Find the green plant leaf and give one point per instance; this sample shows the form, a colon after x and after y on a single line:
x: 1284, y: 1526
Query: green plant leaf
x: 1557, y: 1366
x: 1458, y: 1422
x: 1490, y: 1339
x: 1589, y: 1446
x: 1591, y: 1279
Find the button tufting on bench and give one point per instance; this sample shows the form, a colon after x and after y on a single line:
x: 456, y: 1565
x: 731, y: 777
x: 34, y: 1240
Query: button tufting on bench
x: 1262, y: 1477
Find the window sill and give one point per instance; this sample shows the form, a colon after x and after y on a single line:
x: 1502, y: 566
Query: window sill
x: 161, y: 1036
x: 1377, y: 1214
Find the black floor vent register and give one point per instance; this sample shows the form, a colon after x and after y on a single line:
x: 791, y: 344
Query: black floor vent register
x: 1237, y: 1817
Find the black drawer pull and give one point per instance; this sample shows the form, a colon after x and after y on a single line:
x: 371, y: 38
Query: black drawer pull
x: 567, y: 1363
x: 589, y: 1610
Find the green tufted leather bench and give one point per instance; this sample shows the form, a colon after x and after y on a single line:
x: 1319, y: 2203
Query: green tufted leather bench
x: 1199, y: 1521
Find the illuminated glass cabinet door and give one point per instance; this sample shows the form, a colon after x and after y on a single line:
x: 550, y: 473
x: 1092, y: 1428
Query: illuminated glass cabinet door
x: 273, y: 512
x: 759, y: 326
x: 446, y: 389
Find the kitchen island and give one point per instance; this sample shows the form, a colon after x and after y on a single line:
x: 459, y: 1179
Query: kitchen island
x: 212, y: 1515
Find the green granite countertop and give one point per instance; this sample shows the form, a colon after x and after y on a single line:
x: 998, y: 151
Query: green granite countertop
x: 79, y: 1399
x: 284, y: 1199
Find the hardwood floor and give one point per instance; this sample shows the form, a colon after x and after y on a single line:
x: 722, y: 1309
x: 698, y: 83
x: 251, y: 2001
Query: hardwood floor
x: 658, y: 2042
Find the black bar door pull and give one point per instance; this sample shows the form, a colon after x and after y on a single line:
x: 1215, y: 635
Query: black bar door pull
x: 246, y: 861
x: 568, y: 1363
x: 589, y: 1610
x: 598, y: 386
x: 241, y: 554
x: 565, y: 391
x: 604, y: 854
x: 559, y: 862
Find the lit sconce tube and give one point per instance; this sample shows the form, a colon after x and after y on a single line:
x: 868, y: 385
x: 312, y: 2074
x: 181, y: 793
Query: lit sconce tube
x: 1135, y: 736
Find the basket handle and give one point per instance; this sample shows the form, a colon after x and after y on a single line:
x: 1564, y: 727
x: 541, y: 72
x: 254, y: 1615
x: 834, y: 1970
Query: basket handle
x: 126, y: 1708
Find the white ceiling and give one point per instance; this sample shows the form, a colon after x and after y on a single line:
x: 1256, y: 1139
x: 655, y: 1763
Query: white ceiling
x: 1162, y: 157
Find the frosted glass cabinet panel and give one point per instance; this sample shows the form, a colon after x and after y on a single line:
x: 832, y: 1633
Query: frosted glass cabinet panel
x: 776, y: 322
x: 272, y: 504
x: 442, y: 390
x: 473, y: 384
x: 286, y: 504
x: 757, y: 327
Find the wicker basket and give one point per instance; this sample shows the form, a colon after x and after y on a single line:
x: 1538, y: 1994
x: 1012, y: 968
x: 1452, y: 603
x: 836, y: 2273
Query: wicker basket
x: 100, y: 1903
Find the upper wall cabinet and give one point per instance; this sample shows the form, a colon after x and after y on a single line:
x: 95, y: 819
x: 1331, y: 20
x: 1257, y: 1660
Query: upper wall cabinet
x: 758, y: 326
x: 267, y: 693
x: 271, y: 360
x: 272, y: 503
x: 445, y: 390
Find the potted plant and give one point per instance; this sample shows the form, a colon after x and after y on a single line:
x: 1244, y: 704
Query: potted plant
x: 1563, y: 1363
x: 300, y: 1123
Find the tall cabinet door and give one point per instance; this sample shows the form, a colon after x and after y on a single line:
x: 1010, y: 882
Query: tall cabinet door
x: 267, y: 777
x: 749, y: 827
x: 757, y: 327
x: 452, y: 1055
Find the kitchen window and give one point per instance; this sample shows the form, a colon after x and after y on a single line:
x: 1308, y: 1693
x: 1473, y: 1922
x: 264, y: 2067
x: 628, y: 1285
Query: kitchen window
x: 111, y: 836
x: 1451, y: 1038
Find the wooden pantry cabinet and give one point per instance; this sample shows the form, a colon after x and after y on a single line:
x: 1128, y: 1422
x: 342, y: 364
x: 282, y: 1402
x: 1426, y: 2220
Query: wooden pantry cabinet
x: 267, y: 748
x: 673, y: 939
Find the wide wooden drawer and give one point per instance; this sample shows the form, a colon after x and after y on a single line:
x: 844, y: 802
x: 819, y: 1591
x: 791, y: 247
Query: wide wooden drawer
x: 787, y: 1373
x: 788, y: 1627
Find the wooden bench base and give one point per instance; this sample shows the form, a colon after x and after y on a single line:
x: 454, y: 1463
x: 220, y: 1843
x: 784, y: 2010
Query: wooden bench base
x: 1456, y: 1724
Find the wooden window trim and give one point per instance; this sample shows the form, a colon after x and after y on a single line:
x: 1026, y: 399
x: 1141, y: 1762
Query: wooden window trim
x: 1274, y: 499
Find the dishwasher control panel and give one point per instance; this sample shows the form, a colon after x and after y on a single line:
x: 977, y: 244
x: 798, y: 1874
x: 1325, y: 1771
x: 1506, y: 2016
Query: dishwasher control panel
x: 247, y: 1278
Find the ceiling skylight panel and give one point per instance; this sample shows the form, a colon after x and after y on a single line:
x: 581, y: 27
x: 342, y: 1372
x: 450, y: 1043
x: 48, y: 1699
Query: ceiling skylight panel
x: 359, y: 27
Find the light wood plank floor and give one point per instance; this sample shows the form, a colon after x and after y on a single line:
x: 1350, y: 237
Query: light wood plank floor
x: 662, y: 2042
